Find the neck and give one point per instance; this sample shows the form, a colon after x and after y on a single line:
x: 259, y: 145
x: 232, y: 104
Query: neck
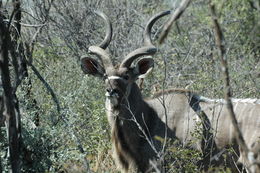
x: 134, y: 99
x: 134, y: 118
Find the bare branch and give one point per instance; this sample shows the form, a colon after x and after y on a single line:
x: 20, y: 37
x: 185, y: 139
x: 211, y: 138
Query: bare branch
x: 25, y: 24
x: 175, y: 16
x: 219, y: 40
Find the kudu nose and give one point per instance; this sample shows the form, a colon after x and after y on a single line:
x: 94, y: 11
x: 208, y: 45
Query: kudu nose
x: 111, y: 92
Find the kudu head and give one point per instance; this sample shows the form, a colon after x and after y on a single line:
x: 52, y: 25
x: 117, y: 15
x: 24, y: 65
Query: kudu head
x: 120, y: 80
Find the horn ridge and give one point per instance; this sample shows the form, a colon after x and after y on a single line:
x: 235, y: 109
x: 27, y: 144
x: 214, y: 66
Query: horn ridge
x: 148, y: 28
x: 109, y: 30
x: 148, y: 48
x: 100, y: 49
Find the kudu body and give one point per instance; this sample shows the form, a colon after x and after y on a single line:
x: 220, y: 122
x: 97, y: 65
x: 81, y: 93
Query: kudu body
x: 247, y: 113
x: 188, y: 111
x: 136, y: 122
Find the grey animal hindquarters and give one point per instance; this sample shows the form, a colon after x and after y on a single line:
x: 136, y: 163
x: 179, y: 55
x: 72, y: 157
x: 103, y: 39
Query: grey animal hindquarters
x: 185, y: 111
x: 247, y: 112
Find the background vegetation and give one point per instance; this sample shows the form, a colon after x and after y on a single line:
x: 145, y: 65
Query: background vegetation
x: 63, y: 122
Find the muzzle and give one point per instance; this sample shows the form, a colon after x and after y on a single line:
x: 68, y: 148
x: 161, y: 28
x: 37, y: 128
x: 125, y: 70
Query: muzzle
x: 112, y: 93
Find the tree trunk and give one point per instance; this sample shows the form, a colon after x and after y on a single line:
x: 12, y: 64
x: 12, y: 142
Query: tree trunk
x: 11, y: 117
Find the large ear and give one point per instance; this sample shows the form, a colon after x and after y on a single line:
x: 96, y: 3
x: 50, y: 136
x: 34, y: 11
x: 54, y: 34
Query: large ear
x: 143, y: 67
x: 92, y: 67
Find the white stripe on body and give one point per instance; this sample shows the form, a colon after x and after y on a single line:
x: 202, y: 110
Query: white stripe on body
x: 234, y: 100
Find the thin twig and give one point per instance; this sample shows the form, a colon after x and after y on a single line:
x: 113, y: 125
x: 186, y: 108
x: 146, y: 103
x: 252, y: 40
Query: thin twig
x: 175, y: 16
x: 26, y: 12
x: 147, y: 137
x: 164, y: 106
x: 25, y: 24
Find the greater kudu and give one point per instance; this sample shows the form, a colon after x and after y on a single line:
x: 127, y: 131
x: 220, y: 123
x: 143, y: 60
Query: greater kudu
x: 135, y: 122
